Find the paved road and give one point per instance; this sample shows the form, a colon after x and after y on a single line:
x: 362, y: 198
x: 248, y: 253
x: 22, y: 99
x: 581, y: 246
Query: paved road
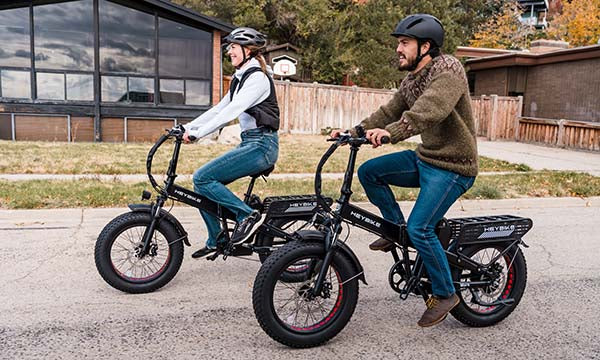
x: 53, y: 304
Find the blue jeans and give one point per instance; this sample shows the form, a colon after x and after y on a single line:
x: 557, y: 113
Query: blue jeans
x: 257, y: 152
x: 439, y: 190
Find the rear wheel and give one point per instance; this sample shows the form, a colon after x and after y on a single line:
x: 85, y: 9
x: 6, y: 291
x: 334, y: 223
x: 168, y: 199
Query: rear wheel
x: 120, y: 262
x: 482, y: 305
x: 294, y: 272
x: 289, y: 312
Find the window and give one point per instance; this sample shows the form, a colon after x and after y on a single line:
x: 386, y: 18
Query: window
x: 171, y: 91
x: 114, y: 88
x: 126, y: 40
x: 141, y: 89
x: 15, y: 84
x: 80, y: 87
x: 15, y: 38
x: 64, y: 36
x: 50, y: 86
x: 184, y: 51
x: 197, y: 92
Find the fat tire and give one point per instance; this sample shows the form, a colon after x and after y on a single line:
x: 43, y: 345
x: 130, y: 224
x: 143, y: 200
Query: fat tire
x: 263, y: 239
x: 107, y: 237
x: 270, y: 272
x: 464, y: 314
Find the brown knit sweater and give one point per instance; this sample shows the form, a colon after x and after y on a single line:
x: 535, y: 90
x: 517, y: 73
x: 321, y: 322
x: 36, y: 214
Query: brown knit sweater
x: 435, y: 103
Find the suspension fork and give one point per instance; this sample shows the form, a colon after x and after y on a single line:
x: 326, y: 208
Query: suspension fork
x: 330, y: 251
x: 149, y: 232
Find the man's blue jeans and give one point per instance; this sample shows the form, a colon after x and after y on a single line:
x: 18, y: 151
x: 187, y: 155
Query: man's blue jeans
x: 257, y: 152
x: 439, y: 190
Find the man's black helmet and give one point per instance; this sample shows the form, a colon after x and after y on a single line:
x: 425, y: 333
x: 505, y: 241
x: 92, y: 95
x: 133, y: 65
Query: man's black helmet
x: 421, y: 27
x: 246, y: 36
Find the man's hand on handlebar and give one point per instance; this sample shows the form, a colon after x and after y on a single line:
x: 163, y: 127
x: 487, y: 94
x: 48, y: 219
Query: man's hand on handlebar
x: 335, y: 133
x: 378, y: 137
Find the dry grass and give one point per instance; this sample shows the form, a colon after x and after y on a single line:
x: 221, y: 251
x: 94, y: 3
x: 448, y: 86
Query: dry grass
x: 95, y: 193
x: 298, y: 154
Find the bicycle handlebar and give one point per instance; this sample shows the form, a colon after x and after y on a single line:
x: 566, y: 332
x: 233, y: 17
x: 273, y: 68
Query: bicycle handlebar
x: 343, y: 139
x: 176, y: 132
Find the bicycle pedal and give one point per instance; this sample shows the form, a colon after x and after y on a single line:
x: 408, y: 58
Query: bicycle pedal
x: 213, y: 257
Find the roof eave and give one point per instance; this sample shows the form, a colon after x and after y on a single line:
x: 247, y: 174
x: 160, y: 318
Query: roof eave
x: 531, y: 59
x: 183, y: 11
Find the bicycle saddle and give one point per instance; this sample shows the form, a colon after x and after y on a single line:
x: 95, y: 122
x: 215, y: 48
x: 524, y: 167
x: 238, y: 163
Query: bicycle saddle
x: 264, y: 173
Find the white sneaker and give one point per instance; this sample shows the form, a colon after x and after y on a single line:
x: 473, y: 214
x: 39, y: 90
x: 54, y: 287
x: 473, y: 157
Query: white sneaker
x: 247, y: 227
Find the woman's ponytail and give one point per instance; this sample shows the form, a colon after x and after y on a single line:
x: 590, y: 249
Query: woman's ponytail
x: 262, y: 62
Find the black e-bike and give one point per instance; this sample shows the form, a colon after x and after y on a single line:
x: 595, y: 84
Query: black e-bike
x: 487, y: 265
x: 142, y: 250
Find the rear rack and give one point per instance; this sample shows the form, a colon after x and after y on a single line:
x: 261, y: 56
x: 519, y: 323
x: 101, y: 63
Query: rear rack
x: 495, y: 228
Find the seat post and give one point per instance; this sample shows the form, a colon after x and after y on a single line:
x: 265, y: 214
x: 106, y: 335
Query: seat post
x: 249, y: 191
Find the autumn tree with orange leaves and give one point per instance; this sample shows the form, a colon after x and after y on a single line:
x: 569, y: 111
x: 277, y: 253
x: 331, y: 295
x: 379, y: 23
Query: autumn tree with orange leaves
x: 579, y: 23
x: 504, y: 30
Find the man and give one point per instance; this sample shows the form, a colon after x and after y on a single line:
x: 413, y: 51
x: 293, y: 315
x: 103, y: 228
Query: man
x: 433, y: 101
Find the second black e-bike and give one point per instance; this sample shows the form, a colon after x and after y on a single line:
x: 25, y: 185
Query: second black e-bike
x: 142, y: 250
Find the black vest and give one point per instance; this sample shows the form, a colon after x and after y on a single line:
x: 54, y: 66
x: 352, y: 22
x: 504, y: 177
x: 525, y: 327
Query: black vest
x: 266, y: 113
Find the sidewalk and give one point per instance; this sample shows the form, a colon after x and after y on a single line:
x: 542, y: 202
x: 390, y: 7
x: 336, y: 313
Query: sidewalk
x: 535, y: 156
x: 541, y: 157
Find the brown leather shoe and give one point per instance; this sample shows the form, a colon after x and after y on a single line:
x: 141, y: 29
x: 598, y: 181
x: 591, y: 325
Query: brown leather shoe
x: 381, y: 244
x: 437, y: 310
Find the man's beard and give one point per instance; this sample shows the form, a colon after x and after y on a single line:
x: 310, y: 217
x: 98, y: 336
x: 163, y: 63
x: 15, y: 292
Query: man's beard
x: 409, y: 66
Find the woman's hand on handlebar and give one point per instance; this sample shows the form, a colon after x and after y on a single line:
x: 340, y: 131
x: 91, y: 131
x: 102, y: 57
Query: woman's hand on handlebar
x: 378, y: 137
x: 186, y: 138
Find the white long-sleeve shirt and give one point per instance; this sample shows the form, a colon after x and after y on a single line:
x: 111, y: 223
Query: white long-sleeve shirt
x: 255, y: 90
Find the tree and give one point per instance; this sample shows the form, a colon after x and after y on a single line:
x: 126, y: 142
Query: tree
x: 340, y: 37
x: 504, y: 30
x: 579, y: 23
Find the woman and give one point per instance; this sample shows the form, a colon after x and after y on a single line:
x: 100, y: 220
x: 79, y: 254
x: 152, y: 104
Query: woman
x: 252, y: 100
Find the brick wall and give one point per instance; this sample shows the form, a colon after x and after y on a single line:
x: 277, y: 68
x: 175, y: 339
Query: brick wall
x: 45, y: 128
x: 5, y: 127
x: 567, y: 90
x: 216, y: 89
x: 82, y: 129
x: 491, y: 82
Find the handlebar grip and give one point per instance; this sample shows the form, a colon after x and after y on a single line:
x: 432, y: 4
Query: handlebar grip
x: 192, y: 138
x: 385, y: 140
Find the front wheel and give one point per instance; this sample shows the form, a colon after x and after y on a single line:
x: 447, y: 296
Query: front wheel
x: 487, y: 305
x: 120, y: 262
x: 289, y: 312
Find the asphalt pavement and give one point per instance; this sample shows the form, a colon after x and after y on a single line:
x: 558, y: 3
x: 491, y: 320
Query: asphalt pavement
x: 54, y: 305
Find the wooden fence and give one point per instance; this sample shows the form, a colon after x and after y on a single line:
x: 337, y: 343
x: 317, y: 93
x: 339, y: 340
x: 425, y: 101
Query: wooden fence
x: 564, y: 133
x: 497, y: 117
x: 309, y: 108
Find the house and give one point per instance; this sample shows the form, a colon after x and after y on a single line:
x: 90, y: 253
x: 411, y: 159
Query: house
x: 556, y: 82
x: 105, y: 70
x: 535, y: 13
